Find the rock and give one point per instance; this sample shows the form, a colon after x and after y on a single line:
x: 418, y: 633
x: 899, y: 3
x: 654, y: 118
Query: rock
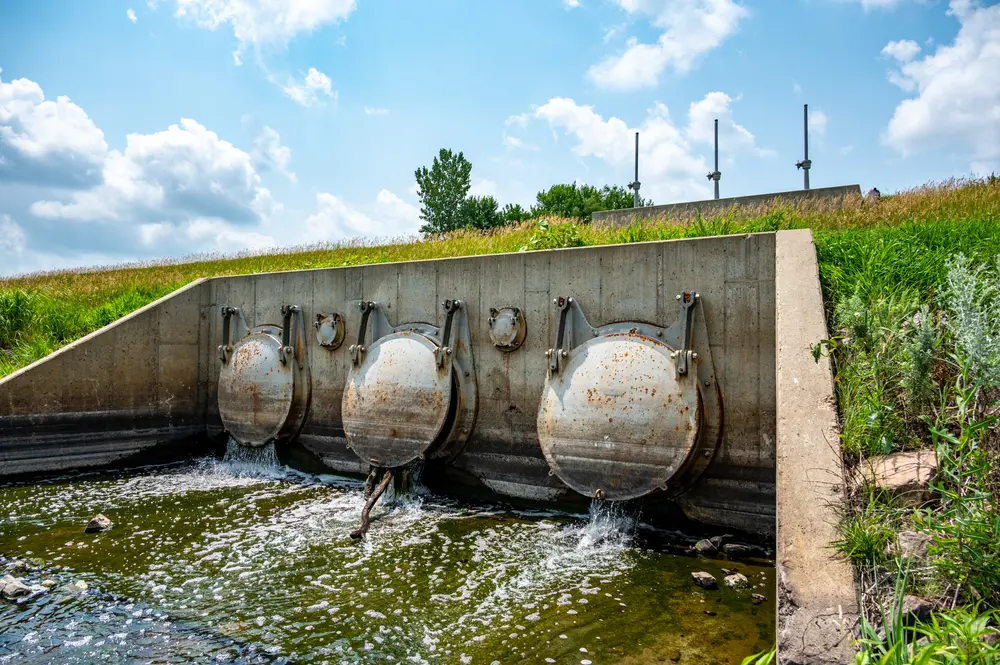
x: 79, y: 586
x: 17, y: 566
x: 705, y: 580
x: 48, y: 584
x: 98, y: 524
x: 719, y: 541
x: 906, y: 476
x: 915, y: 607
x: 736, y: 581
x: 736, y: 550
x: 704, y: 547
x: 910, y: 545
x: 13, y: 587
x: 35, y: 563
x: 757, y: 599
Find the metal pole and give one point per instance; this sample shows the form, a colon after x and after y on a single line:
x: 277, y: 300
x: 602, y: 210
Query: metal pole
x: 634, y: 186
x: 716, y: 175
x: 805, y: 164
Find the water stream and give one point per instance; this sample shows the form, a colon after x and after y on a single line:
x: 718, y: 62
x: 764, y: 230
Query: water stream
x: 246, y: 561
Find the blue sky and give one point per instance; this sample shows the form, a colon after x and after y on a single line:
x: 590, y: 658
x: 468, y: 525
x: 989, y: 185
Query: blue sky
x: 141, y: 130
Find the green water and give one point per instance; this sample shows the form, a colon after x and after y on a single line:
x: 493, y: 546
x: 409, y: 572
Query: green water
x: 215, y: 562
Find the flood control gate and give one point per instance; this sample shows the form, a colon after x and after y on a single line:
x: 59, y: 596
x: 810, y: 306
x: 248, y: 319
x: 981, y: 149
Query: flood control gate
x: 623, y: 372
x: 642, y: 371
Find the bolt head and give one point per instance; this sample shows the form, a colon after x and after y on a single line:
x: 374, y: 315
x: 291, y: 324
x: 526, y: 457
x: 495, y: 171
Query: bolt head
x: 563, y: 354
x: 677, y: 297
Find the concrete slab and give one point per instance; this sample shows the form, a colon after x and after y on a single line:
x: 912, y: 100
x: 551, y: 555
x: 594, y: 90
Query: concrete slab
x: 817, y: 608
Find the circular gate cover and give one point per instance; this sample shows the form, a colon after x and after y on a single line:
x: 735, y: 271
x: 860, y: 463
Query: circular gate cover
x: 616, y: 419
x: 396, y: 403
x: 255, y: 390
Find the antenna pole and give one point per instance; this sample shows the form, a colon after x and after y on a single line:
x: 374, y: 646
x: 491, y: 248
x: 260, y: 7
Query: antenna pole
x: 805, y: 164
x: 634, y: 186
x: 716, y: 175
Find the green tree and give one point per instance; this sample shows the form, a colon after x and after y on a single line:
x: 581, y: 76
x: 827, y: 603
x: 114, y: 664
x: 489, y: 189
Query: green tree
x: 581, y: 201
x: 481, y: 212
x: 513, y: 213
x: 442, y: 190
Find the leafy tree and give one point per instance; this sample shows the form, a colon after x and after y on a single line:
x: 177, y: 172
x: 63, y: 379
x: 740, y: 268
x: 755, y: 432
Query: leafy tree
x: 570, y: 200
x: 513, y: 213
x: 481, y: 212
x: 442, y: 190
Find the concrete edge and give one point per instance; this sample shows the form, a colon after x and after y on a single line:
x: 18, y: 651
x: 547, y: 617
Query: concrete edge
x: 717, y: 207
x: 817, y: 600
x: 86, y: 338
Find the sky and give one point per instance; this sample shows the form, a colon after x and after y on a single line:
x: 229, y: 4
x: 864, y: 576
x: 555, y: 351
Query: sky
x: 159, y: 129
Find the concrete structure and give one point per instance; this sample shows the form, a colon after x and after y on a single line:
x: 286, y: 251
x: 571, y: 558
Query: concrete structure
x: 681, y: 212
x: 150, y: 382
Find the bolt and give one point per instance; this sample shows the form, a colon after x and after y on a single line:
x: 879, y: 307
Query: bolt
x: 594, y: 331
x: 678, y: 296
x: 563, y: 354
x: 571, y: 301
x: 673, y: 354
x: 659, y: 333
x: 708, y: 382
x: 555, y: 301
x: 448, y: 350
x: 694, y: 356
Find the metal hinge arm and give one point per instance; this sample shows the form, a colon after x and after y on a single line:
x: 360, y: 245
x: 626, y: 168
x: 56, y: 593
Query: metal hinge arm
x: 445, y: 350
x: 358, y: 350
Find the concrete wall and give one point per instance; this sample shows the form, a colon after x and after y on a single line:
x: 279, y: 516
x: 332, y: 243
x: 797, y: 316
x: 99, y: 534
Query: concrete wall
x: 112, y: 394
x: 679, y: 212
x: 152, y: 377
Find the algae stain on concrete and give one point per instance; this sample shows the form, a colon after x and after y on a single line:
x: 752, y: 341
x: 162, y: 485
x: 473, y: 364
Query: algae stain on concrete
x: 212, y: 561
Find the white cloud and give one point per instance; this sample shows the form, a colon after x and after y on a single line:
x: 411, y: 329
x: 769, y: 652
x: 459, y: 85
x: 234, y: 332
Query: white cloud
x: 571, y: 4
x: 871, y: 5
x: 690, y: 28
x: 667, y: 166
x: 131, y: 15
x: 733, y: 138
x: 336, y: 220
x: 904, y: 50
x: 517, y: 144
x: 817, y: 122
x: 376, y: 111
x: 47, y: 142
x: 957, y: 102
x: 612, y: 31
x: 12, y: 240
x: 308, y: 92
x: 183, y: 172
x: 269, y: 153
x: 483, y: 187
x: 260, y: 23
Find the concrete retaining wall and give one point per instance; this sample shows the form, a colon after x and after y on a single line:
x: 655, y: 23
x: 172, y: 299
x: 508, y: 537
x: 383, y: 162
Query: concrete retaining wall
x: 680, y: 212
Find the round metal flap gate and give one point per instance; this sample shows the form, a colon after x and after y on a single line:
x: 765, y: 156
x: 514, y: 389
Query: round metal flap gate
x: 397, y: 402
x: 615, y: 422
x: 256, y: 390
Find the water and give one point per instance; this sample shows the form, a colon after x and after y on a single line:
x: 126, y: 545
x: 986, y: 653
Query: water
x: 245, y: 561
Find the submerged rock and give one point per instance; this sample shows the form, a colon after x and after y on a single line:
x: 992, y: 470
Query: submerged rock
x: 705, y: 580
x: 704, y: 547
x: 736, y: 581
x: 11, y: 587
x: 757, y: 598
x: 79, y: 586
x: 17, y: 566
x: 48, y: 584
x: 35, y: 563
x: 98, y: 524
x: 736, y: 550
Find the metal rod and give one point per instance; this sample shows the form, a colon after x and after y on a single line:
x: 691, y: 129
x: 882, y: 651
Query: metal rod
x: 717, y: 157
x: 716, y: 175
x: 805, y: 164
x: 634, y: 186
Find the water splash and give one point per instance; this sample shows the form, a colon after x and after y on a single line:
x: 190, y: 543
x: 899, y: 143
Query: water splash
x: 612, y: 524
x: 252, y: 460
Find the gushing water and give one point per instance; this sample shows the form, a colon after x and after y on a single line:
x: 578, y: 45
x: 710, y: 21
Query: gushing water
x: 245, y: 561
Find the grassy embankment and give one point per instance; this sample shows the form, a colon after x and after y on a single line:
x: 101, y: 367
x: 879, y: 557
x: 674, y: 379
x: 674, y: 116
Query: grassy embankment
x: 915, y: 337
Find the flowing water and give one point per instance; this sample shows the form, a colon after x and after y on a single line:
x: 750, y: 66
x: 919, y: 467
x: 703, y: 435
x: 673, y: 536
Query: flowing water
x: 245, y: 561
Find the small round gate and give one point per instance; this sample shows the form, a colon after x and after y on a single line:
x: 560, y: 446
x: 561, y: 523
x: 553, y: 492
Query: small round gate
x: 263, y: 392
x: 398, y: 401
x: 616, y: 421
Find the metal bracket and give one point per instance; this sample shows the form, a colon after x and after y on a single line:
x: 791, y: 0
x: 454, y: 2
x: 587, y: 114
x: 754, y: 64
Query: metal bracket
x: 685, y: 356
x: 229, y: 332
x: 572, y: 323
x: 444, y: 350
x: 292, y: 335
x: 330, y: 330
x: 358, y: 350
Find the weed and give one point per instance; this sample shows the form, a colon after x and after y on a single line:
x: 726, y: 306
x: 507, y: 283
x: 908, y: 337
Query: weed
x: 554, y: 236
